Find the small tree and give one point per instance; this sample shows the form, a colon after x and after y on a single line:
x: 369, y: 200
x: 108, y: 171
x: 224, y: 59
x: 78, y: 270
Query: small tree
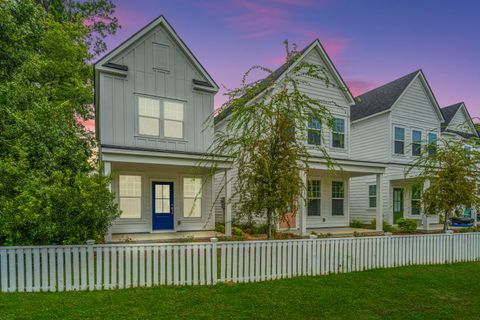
x: 265, y: 136
x: 452, y: 170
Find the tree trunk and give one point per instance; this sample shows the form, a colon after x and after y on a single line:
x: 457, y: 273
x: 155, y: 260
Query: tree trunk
x: 445, y: 223
x: 269, y: 224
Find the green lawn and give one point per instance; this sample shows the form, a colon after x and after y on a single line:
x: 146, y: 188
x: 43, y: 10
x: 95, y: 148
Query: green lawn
x: 422, y: 292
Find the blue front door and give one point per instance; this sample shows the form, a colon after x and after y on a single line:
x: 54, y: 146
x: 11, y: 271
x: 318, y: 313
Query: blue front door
x: 162, y: 205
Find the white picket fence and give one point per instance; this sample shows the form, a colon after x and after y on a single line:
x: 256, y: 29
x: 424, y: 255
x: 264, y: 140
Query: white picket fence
x: 96, y: 267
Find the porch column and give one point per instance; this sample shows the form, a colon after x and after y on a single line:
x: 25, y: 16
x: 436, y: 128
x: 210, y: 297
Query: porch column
x: 228, y: 203
x: 379, y: 196
x: 302, y: 207
x: 107, y: 171
x: 426, y: 224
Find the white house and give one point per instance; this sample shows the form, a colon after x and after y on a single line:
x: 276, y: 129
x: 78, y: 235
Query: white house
x: 390, y: 124
x: 329, y: 205
x: 152, y: 97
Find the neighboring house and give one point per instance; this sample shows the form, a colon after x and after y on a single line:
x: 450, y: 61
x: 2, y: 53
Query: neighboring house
x: 391, y: 124
x: 458, y: 122
x: 152, y: 98
x: 329, y: 205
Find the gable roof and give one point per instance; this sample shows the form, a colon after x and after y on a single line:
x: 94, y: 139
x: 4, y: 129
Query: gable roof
x: 383, y: 98
x: 105, y: 60
x: 449, y: 113
x: 264, y: 84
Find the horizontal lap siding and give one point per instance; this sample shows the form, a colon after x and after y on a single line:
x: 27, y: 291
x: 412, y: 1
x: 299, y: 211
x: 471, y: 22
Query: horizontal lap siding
x: 370, y: 139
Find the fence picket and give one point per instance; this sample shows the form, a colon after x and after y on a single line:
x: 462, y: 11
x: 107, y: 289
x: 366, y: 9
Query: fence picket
x: 95, y: 267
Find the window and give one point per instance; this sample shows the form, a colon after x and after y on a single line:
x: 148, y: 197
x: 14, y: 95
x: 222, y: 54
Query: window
x: 372, y: 196
x: 173, y: 122
x: 314, y: 197
x: 399, y: 145
x: 338, y: 134
x: 337, y: 198
x: 130, y: 196
x: 432, y: 143
x: 416, y: 197
x: 148, y: 116
x: 314, y: 131
x: 192, y: 197
x: 416, y: 142
x: 160, y: 56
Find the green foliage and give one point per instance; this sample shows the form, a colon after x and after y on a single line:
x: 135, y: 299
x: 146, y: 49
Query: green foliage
x: 452, y: 175
x: 236, y: 231
x: 51, y: 189
x: 265, y: 136
x: 96, y: 15
x: 407, y: 225
x: 386, y: 226
x: 356, y: 224
x: 470, y: 229
x: 251, y: 227
x: 220, y: 227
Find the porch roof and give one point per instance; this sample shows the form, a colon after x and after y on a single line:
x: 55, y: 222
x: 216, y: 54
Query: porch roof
x: 349, y: 167
x: 163, y: 157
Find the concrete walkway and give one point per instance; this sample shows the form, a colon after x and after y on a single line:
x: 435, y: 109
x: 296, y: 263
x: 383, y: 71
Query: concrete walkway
x: 163, y: 237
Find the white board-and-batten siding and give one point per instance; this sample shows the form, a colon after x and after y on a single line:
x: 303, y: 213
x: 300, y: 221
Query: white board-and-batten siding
x: 119, y: 94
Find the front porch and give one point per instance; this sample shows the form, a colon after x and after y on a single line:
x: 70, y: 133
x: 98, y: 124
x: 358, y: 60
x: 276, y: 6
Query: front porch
x: 177, y: 236
x: 161, y: 196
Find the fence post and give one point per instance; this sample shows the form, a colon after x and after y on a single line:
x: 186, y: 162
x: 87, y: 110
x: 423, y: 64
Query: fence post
x: 214, y: 259
x: 91, y: 270
x: 451, y: 239
x: 387, y: 250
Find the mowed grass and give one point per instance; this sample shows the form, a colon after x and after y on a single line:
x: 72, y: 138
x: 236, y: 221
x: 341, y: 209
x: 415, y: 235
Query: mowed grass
x: 420, y: 292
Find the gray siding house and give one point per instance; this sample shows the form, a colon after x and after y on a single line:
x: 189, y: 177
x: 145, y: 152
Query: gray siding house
x: 329, y: 205
x: 152, y: 97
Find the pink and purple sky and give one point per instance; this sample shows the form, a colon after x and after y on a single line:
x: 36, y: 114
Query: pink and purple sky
x: 371, y: 42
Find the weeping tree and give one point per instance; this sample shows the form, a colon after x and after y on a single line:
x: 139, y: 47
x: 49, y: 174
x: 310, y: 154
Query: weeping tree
x: 452, y: 173
x: 265, y: 136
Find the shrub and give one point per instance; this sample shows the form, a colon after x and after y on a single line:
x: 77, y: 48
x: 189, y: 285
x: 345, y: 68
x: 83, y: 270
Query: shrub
x: 259, y: 229
x: 236, y: 231
x: 220, y: 227
x: 356, y: 224
x: 373, y: 224
x: 407, y: 225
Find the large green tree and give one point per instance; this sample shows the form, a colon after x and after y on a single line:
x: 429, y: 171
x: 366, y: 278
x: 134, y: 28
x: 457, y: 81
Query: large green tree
x: 450, y: 170
x: 265, y: 136
x: 51, y: 188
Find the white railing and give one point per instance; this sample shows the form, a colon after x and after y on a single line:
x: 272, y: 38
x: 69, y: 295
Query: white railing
x: 96, y: 267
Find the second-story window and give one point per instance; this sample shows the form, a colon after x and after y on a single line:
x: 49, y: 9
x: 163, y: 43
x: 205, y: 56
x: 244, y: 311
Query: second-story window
x: 314, y: 131
x: 416, y: 142
x: 432, y: 143
x: 173, y: 119
x: 338, y: 133
x: 148, y: 116
x: 399, y: 142
x: 160, y: 118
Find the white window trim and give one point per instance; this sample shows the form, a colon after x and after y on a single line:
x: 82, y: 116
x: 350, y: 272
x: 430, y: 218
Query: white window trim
x: 344, y: 135
x: 161, y: 119
x: 117, y: 191
x: 199, y: 196
x: 415, y: 199
x: 336, y: 198
x: 319, y: 131
x: 315, y: 198
x: 421, y: 142
x: 404, y: 141
x: 370, y: 196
